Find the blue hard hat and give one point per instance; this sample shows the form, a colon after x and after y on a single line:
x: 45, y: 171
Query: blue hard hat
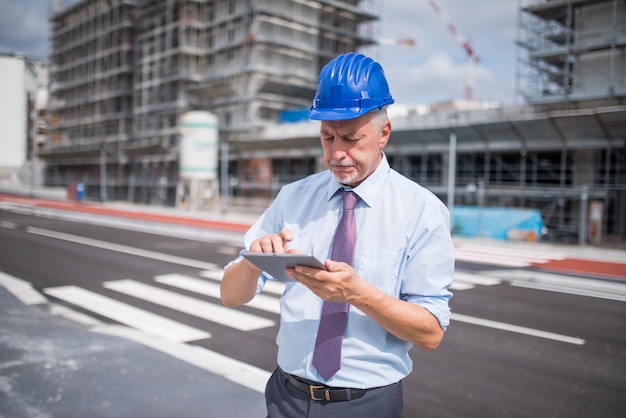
x: 350, y: 86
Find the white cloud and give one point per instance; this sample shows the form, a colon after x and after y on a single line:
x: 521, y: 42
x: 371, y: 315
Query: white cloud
x: 436, y: 68
x: 422, y: 83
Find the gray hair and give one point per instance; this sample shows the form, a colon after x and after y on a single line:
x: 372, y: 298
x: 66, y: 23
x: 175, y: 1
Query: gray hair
x: 379, y: 118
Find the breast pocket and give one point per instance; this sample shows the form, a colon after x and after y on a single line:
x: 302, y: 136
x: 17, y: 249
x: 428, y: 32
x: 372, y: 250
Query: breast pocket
x: 381, y: 267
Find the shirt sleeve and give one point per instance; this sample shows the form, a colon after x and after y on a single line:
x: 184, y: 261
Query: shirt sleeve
x: 430, y: 268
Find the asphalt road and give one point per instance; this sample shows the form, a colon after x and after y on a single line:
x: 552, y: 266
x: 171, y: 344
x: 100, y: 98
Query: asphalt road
x: 510, y: 351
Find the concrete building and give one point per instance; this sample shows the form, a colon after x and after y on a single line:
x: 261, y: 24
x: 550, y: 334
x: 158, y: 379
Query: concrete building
x: 23, y: 83
x: 572, y: 53
x: 125, y: 72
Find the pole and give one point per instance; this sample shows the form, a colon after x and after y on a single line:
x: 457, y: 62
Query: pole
x: 451, y: 174
x: 584, y: 206
x: 103, y: 173
x: 224, y: 175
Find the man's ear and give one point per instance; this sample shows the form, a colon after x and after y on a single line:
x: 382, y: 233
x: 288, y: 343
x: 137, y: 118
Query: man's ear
x: 385, y: 133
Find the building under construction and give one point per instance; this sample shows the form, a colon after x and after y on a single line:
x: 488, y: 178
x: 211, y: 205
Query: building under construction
x: 124, y: 72
x: 561, y: 151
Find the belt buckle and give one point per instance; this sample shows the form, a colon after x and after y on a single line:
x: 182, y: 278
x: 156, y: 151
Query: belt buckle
x: 312, y: 392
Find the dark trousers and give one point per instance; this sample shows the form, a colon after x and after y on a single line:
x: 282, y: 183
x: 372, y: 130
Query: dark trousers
x: 285, y: 401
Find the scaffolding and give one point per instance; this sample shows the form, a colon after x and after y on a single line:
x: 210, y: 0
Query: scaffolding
x: 572, y: 53
x: 124, y: 72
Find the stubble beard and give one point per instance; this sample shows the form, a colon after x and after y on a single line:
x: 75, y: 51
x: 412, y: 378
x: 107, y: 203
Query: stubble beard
x: 344, y: 179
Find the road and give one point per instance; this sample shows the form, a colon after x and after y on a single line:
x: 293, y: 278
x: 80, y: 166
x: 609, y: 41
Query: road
x: 522, y: 343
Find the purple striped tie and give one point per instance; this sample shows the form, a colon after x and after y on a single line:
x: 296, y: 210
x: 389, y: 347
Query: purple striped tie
x: 327, y: 355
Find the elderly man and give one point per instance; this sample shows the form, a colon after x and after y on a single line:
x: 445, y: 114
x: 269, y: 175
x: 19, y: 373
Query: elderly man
x: 346, y: 330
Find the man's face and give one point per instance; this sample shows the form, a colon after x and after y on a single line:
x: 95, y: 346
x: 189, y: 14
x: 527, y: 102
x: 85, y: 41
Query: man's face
x: 352, y: 148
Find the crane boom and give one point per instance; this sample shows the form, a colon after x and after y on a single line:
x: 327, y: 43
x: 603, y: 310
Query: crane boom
x: 464, y: 43
x: 467, y: 46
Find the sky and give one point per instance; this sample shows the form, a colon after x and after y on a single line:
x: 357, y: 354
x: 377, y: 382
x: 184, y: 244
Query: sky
x: 436, y: 69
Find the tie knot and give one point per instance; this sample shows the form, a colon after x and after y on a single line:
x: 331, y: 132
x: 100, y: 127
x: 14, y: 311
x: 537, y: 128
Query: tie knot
x: 349, y: 199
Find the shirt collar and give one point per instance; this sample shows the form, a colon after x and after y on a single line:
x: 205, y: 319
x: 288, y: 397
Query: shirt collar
x: 368, y: 189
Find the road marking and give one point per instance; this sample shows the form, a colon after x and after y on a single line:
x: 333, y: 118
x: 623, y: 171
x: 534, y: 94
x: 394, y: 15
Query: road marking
x: 122, y: 248
x: 203, y: 287
x: 8, y: 225
x: 474, y: 278
x: 465, y: 281
x: 21, y: 289
x: 199, y: 308
x: 236, y: 371
x: 458, y: 285
x: 127, y: 314
x: 570, y: 291
x: 271, y: 286
x: 517, y: 329
x: 550, y: 282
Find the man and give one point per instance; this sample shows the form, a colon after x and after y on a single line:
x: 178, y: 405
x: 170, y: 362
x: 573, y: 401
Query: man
x: 396, y: 277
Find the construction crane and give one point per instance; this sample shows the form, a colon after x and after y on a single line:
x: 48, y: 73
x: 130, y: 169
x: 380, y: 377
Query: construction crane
x: 473, y: 58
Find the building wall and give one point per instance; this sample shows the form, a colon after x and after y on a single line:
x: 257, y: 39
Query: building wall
x: 124, y: 73
x: 598, y: 70
x: 572, y: 53
x: 14, y: 114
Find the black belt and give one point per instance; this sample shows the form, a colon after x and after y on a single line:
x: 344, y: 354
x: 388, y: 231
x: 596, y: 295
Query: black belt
x: 319, y: 392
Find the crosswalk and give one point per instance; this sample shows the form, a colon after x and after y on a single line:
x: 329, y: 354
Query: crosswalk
x: 126, y: 314
x: 169, y: 297
x: 205, y: 305
x: 172, y: 291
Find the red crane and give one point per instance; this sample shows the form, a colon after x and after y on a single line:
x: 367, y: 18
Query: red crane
x: 469, y: 90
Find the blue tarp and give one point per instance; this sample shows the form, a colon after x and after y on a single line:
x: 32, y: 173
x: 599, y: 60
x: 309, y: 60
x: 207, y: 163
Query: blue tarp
x: 497, y: 223
x: 293, y: 116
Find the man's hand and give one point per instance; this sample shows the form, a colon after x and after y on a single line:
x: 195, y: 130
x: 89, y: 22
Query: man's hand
x: 273, y: 243
x: 240, y: 280
x: 338, y: 283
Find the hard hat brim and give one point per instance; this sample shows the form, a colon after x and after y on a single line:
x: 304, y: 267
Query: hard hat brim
x: 346, y: 114
x: 343, y: 114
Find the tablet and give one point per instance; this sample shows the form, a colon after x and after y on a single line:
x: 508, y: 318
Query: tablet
x: 275, y: 264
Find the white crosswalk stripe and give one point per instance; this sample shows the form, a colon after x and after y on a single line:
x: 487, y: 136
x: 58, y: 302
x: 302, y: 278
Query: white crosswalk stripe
x: 203, y: 287
x: 127, y: 314
x: 464, y: 280
x: 274, y: 287
x: 205, y: 310
x: 559, y: 283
